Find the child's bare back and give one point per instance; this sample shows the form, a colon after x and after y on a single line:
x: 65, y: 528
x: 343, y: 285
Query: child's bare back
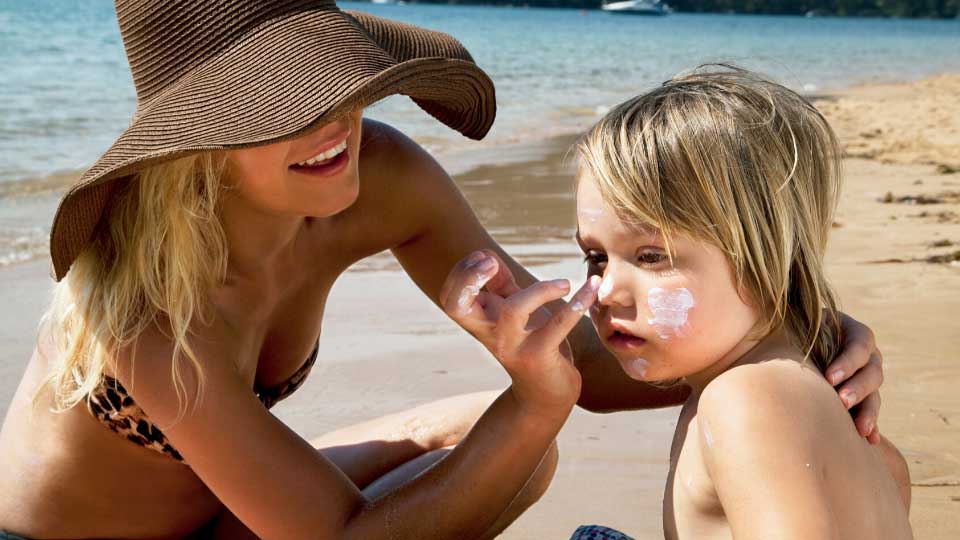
x: 767, y: 446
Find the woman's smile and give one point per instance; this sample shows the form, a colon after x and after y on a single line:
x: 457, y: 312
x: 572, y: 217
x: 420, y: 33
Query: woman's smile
x: 330, y: 159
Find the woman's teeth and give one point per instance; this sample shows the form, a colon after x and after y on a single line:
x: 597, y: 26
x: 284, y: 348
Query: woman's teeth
x: 324, y: 156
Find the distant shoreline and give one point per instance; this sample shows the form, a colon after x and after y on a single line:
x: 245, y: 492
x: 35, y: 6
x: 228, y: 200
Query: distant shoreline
x: 898, y: 9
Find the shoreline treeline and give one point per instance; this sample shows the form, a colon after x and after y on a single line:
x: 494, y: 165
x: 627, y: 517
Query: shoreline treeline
x: 934, y: 9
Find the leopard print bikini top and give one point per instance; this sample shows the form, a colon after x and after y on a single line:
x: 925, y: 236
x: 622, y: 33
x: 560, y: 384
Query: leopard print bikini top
x: 115, y: 409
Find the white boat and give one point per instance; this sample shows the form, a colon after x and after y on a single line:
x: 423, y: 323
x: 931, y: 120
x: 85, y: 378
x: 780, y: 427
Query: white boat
x: 637, y: 7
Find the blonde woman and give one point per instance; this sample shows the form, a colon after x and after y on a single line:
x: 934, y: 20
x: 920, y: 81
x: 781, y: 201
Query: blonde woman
x: 705, y: 207
x: 193, y: 262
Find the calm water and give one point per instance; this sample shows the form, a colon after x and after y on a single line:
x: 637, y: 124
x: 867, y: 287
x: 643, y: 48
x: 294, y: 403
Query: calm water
x: 65, y: 92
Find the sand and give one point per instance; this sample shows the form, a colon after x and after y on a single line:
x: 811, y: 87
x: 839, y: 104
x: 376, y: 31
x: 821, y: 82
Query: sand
x: 386, y: 347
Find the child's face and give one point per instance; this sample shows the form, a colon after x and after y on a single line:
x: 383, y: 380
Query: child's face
x: 661, y: 320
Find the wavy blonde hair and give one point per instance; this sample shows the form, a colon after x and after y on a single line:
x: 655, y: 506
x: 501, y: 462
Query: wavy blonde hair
x: 729, y: 157
x: 156, y: 254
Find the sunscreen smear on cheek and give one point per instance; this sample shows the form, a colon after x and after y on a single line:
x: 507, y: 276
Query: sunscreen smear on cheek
x: 669, y: 310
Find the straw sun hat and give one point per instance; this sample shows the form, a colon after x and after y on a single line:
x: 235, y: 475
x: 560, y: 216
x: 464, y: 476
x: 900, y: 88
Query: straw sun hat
x: 226, y: 74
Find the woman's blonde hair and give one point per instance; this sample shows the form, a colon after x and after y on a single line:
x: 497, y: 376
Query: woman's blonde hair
x: 156, y: 254
x: 745, y: 164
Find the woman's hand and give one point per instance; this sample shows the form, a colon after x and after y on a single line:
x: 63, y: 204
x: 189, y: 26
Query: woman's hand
x: 529, y: 341
x: 858, y: 373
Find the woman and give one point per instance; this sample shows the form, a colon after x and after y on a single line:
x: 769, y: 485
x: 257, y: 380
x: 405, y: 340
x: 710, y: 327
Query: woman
x: 194, y: 260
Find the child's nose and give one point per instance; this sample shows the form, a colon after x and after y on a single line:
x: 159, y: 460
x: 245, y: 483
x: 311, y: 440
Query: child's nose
x: 613, y: 291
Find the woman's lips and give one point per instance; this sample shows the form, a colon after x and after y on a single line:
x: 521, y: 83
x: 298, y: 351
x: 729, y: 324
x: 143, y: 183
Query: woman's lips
x: 329, y: 167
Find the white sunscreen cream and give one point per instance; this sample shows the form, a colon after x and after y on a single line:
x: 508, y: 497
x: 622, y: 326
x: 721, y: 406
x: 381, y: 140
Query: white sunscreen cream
x: 470, y: 292
x: 668, y: 310
x: 707, y: 436
x: 606, y: 287
x: 591, y: 214
x: 638, y: 367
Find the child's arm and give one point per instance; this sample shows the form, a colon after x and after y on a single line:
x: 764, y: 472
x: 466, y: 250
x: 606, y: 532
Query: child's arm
x: 773, y: 440
x: 768, y: 484
x: 898, y: 468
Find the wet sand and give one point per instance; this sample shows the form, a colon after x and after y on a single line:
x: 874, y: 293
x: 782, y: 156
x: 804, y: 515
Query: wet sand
x: 386, y: 347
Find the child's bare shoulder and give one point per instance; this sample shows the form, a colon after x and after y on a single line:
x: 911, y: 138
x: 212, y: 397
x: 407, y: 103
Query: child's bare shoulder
x: 778, y: 396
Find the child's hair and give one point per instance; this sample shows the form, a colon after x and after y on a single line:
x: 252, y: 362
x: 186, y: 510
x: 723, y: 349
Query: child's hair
x: 726, y: 156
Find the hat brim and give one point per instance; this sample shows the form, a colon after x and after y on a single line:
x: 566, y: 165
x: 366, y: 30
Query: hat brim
x: 290, y: 75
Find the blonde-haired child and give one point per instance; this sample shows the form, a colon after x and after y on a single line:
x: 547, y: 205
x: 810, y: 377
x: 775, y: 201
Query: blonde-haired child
x: 705, y: 206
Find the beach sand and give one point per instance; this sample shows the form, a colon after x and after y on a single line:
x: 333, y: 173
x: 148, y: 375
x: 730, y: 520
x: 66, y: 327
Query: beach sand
x: 386, y: 347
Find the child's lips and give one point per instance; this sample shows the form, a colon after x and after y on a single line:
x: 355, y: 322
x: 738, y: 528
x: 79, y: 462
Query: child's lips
x: 621, y: 339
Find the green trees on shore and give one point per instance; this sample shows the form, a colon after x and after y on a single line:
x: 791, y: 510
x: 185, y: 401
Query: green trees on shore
x: 875, y: 8
x: 869, y: 8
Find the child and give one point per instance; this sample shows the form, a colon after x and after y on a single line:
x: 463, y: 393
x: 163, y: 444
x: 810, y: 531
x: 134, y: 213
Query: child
x: 705, y: 207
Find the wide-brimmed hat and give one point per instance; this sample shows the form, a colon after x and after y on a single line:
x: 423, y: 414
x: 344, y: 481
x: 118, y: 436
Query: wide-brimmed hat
x: 227, y: 74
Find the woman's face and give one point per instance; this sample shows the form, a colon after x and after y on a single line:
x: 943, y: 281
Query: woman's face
x: 661, y: 319
x: 314, y: 175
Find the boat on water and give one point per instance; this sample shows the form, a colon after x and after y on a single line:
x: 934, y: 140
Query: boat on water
x: 637, y: 7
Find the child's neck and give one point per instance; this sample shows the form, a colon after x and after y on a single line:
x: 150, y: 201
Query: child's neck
x: 748, y: 351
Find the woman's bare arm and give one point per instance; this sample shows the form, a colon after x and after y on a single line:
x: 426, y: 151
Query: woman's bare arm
x: 436, y: 228
x: 280, y: 487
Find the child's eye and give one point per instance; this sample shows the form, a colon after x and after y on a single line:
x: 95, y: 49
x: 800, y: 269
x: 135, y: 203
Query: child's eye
x: 651, y: 257
x: 595, y: 260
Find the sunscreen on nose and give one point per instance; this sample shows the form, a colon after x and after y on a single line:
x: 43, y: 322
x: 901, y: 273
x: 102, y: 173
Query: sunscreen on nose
x: 606, y: 287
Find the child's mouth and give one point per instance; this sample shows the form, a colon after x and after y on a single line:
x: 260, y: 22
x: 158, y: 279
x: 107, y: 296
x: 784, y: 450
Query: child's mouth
x: 623, y: 340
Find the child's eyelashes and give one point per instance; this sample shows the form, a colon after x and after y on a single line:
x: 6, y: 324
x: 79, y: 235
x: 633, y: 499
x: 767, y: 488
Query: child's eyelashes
x: 652, y: 257
x: 646, y: 257
x: 595, y: 259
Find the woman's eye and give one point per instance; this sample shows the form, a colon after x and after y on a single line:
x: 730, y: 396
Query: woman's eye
x: 651, y: 257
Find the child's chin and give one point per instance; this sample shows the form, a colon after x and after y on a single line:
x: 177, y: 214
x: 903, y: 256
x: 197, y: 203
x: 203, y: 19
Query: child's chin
x: 641, y: 369
x: 636, y: 368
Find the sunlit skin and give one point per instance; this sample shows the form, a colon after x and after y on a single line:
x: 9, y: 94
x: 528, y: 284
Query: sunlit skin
x: 633, y: 261
x: 290, y: 235
x: 760, y: 426
x: 268, y: 180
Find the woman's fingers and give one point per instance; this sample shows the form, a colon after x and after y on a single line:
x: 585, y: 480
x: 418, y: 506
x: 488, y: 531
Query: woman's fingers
x: 502, y: 283
x: 859, y: 344
x: 459, y: 293
x: 517, y: 309
x: 561, y: 323
x: 863, y: 383
x: 866, y: 420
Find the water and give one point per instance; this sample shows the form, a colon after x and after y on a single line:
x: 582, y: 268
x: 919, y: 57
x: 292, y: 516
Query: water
x: 66, y: 92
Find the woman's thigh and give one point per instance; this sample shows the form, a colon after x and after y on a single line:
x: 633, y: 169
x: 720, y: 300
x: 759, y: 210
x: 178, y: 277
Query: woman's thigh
x: 382, y: 454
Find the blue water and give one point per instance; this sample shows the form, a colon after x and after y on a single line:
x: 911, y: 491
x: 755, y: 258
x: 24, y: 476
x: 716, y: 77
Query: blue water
x: 66, y: 92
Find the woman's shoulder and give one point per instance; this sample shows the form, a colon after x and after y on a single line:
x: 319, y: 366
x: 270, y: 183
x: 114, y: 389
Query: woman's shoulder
x: 386, y: 149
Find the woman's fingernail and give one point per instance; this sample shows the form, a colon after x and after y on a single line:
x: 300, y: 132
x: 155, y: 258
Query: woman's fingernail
x: 869, y: 427
x: 486, y: 264
x: 849, y: 398
x: 593, y: 283
x: 475, y: 257
x: 836, y: 377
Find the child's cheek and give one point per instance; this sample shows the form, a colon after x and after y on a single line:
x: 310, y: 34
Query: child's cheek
x: 669, y: 311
